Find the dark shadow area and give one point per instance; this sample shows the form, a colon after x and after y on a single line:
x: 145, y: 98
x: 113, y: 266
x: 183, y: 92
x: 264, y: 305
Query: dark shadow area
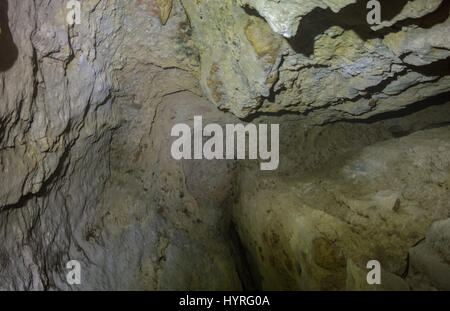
x: 251, y: 11
x: 8, y: 50
x: 354, y: 17
x: 437, y: 17
x: 437, y: 68
x: 248, y: 275
x: 437, y: 100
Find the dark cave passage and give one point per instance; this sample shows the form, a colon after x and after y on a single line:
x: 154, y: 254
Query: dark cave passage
x: 8, y: 50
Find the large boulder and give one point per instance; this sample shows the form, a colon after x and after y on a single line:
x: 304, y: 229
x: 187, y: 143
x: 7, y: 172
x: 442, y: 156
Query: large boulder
x: 317, y: 230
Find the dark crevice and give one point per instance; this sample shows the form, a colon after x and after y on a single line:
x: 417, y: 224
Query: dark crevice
x: 8, y: 50
x: 439, y: 68
x: 406, y: 272
x: 246, y: 274
x: 279, y: 113
x: 251, y: 11
x: 436, y: 100
x: 436, y: 69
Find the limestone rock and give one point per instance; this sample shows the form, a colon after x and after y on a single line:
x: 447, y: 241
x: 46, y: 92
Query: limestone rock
x: 335, y: 67
x: 159, y: 8
x: 284, y: 15
x: 76, y: 184
x: 430, y: 259
x: 318, y: 230
x: 412, y: 9
x: 86, y: 174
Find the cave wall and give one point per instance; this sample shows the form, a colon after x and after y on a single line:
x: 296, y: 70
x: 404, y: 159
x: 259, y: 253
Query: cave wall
x: 56, y: 121
x: 85, y: 167
x: 251, y: 66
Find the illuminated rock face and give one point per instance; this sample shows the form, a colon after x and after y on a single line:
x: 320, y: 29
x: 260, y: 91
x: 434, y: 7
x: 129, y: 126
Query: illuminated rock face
x: 284, y: 15
x: 366, y: 72
x: 82, y: 110
x: 85, y: 167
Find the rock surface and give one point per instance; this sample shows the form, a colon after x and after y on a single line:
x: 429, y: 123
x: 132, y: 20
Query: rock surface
x: 429, y: 260
x: 74, y: 184
x: 85, y: 166
x: 318, y: 230
x: 284, y: 16
x: 366, y: 72
x: 56, y: 120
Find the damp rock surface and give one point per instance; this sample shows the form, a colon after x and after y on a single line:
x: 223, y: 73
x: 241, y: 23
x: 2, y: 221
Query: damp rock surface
x: 321, y: 58
x: 86, y: 174
x: 317, y: 230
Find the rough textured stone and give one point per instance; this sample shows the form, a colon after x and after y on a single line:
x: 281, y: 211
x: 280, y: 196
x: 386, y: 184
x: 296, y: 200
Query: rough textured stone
x: 335, y: 67
x: 82, y: 111
x: 284, y: 15
x: 315, y: 225
x: 159, y: 8
x: 85, y: 166
x: 430, y: 259
x: 411, y: 9
x: 56, y: 120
